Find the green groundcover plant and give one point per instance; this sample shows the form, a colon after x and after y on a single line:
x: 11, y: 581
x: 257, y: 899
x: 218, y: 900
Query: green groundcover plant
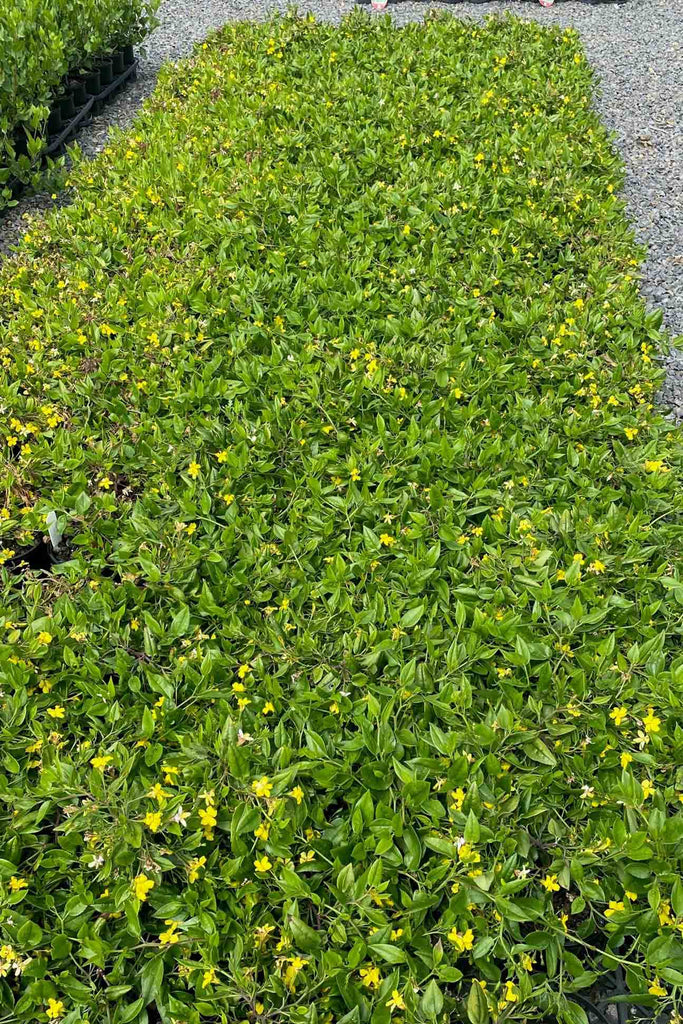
x: 358, y: 696
x: 41, y: 41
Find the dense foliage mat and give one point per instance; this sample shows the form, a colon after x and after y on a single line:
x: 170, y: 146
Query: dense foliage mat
x: 358, y: 696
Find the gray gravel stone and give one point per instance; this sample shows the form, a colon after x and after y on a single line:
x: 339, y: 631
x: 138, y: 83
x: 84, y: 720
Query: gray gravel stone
x: 637, y: 50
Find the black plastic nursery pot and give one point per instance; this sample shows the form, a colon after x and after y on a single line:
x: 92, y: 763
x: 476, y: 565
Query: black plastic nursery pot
x: 128, y: 55
x: 54, y: 121
x: 78, y: 92
x: 93, y: 84
x: 118, y: 62
x: 106, y: 72
x: 67, y: 107
x: 39, y: 557
x: 20, y: 142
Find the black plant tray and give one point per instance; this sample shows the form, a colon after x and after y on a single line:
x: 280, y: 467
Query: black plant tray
x: 56, y: 144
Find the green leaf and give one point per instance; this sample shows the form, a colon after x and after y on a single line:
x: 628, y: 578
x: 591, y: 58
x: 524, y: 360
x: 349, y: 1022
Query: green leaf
x: 181, y: 623
x: 392, y: 954
x: 477, y: 1007
x: 151, y: 979
x: 539, y: 752
x: 432, y: 1000
x: 412, y: 616
x: 572, y: 1013
x: 124, y: 1015
x: 677, y: 898
x: 472, y: 829
x: 305, y: 937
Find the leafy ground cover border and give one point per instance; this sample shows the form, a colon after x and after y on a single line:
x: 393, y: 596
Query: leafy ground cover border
x: 359, y: 697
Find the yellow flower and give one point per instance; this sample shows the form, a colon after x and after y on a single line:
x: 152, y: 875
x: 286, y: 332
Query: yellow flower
x: 167, y: 938
x: 461, y: 941
x: 648, y: 788
x: 511, y: 996
x: 100, y: 762
x: 656, y: 988
x: 141, y: 886
x: 597, y: 567
x: 371, y: 977
x: 651, y: 722
x: 458, y: 798
x: 105, y: 483
x: 468, y: 855
x: 267, y: 708
x: 664, y: 914
x: 406, y: 229
x: 243, y: 671
x: 614, y: 907
x: 44, y: 638
x: 262, y: 865
x: 209, y: 977
x: 157, y: 792
x: 263, y: 831
x: 56, y: 712
x: 262, y: 786
x: 396, y: 1002
x: 387, y: 540
x: 17, y: 884
x: 222, y: 456
x: 296, y: 963
x: 618, y: 715
x: 153, y: 820
x: 169, y: 772
x: 194, y: 867
x: 193, y: 470
x: 655, y: 466
x: 550, y: 883
x: 208, y: 819
x: 631, y: 432
x: 262, y: 934
x: 297, y: 794
x: 626, y: 759
x: 632, y: 896
x: 55, y: 1009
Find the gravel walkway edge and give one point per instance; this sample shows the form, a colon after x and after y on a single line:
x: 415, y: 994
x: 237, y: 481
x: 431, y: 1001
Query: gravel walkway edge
x: 636, y: 49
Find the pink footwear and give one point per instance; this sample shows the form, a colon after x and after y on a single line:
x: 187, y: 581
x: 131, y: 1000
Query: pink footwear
x: 379, y: 5
x: 546, y: 3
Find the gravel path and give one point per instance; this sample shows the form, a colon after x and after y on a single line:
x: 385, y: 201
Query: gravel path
x: 637, y: 49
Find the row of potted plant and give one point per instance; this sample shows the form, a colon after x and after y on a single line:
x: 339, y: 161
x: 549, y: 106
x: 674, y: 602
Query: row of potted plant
x: 58, y: 49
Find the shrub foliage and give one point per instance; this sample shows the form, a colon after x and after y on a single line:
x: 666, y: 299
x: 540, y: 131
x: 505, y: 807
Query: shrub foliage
x: 358, y: 696
x: 42, y: 40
